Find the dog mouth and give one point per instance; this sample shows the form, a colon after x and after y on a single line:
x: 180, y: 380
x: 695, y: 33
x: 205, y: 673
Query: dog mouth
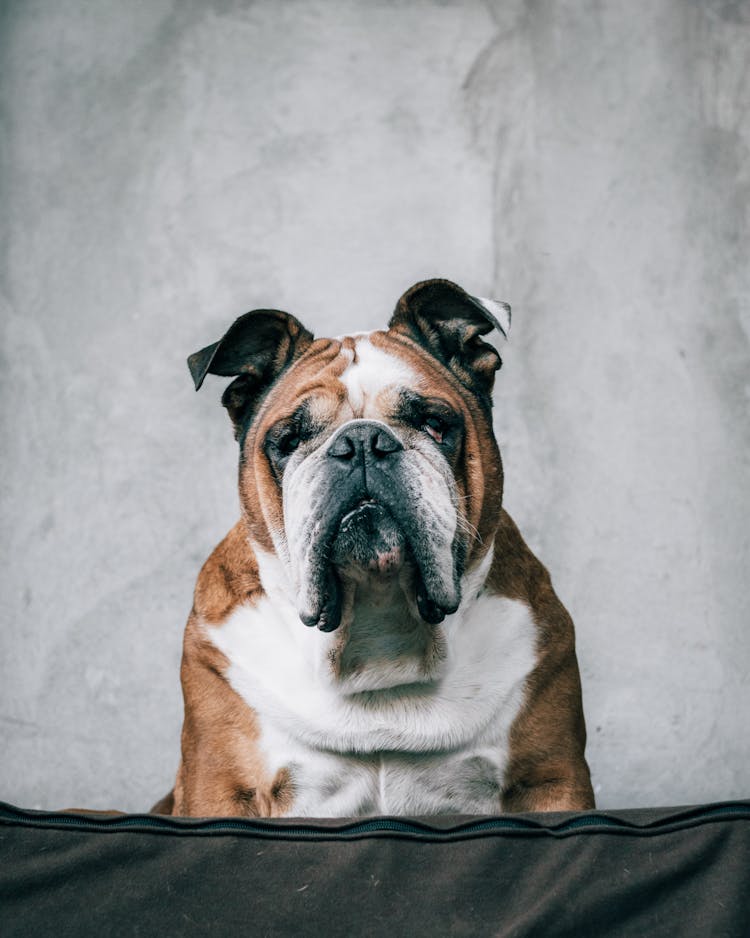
x: 369, y: 539
x: 369, y: 544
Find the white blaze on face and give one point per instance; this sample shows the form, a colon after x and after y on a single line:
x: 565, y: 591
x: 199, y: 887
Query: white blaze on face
x: 374, y: 371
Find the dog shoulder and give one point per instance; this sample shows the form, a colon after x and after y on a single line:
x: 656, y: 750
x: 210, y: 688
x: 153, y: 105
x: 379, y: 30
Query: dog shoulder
x: 546, y: 766
x: 518, y: 574
x: 222, y: 770
x: 228, y: 578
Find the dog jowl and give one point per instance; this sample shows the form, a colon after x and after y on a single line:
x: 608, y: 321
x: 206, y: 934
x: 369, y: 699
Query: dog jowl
x: 374, y: 636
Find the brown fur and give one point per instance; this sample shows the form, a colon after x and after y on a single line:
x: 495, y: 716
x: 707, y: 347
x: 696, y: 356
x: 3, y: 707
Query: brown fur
x: 316, y: 370
x: 547, y: 770
x: 222, y: 771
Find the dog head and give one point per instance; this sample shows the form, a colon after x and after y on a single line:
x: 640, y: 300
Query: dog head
x: 369, y: 455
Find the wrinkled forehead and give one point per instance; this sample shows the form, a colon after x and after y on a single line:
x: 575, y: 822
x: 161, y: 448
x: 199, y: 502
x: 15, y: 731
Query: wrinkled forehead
x: 355, y: 376
x: 375, y: 373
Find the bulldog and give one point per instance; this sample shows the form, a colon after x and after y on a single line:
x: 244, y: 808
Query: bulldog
x: 374, y: 636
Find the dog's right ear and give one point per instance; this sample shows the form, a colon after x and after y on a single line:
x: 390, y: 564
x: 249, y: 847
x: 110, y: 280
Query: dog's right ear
x: 256, y: 348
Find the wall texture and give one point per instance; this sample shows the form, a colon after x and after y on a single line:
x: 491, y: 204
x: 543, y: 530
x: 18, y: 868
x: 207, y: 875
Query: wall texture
x: 165, y: 166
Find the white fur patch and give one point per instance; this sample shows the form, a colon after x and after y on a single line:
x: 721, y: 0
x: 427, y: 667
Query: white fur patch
x: 501, y: 312
x: 374, y: 370
x: 435, y: 746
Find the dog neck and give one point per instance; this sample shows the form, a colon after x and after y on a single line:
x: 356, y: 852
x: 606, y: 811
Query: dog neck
x: 382, y: 643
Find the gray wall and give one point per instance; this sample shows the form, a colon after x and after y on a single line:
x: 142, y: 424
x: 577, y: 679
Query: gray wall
x: 166, y: 166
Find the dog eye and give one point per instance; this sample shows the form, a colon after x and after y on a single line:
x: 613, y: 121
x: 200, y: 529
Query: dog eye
x: 281, y: 442
x: 435, y: 427
x: 289, y: 442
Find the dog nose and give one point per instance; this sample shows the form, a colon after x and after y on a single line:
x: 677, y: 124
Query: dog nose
x: 373, y: 440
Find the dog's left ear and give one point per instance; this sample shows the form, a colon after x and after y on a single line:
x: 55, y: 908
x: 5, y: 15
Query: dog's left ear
x: 449, y: 323
x: 255, y: 350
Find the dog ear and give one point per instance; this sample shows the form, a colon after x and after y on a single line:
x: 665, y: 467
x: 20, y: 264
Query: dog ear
x: 256, y: 348
x: 449, y: 323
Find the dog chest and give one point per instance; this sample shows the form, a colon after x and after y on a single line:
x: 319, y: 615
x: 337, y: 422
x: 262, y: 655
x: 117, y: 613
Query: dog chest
x: 434, y: 747
x: 331, y: 785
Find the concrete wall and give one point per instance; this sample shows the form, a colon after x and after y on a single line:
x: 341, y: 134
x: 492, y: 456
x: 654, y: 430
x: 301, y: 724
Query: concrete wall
x: 165, y: 166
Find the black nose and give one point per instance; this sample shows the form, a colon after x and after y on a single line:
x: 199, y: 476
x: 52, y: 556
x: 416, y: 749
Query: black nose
x: 373, y: 440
